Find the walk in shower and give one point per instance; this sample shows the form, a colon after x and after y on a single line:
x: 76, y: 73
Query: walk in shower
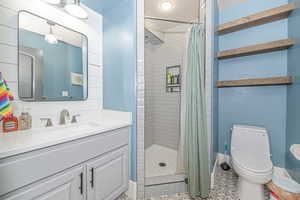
x: 166, y: 40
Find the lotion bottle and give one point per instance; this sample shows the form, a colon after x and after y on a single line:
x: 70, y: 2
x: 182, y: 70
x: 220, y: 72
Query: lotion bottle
x: 25, y: 120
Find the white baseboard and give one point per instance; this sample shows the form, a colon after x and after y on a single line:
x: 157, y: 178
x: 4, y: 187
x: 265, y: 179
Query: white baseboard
x: 222, y: 158
x: 213, y: 174
x: 132, y: 190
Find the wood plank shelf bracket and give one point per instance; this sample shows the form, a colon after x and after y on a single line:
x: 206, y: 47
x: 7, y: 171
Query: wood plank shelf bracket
x: 257, y: 49
x: 285, y: 80
x: 257, y: 19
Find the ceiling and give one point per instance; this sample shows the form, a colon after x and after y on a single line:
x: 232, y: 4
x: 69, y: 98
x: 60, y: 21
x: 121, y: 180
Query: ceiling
x: 184, y: 10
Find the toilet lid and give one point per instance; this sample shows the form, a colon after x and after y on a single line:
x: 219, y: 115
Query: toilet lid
x: 252, y: 162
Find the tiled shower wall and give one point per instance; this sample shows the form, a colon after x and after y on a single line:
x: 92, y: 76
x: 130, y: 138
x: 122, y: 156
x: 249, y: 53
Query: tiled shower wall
x: 162, y: 109
x: 8, y: 56
x: 206, y: 7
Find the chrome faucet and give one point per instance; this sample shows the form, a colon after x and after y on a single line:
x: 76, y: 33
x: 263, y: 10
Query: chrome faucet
x: 63, y: 115
x: 74, y: 119
x: 48, y: 122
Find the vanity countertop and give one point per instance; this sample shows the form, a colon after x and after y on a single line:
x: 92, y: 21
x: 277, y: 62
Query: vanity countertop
x: 18, y: 142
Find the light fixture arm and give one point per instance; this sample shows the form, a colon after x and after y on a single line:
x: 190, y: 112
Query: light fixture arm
x: 51, y: 38
x: 51, y: 24
x: 76, y: 10
x: 73, y: 9
x: 51, y: 31
x: 77, y: 2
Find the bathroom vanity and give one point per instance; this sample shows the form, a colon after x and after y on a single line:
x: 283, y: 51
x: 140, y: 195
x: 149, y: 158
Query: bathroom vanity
x: 54, y: 68
x: 88, y: 161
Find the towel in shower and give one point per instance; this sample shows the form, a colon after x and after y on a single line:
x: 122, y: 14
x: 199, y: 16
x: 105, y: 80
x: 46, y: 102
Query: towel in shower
x: 5, y: 98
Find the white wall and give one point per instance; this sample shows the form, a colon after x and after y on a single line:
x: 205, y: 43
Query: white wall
x: 8, y: 56
x: 162, y: 109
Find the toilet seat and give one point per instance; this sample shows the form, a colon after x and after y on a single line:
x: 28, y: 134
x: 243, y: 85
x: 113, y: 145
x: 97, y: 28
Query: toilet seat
x: 251, y: 164
x: 256, y: 171
x: 257, y: 178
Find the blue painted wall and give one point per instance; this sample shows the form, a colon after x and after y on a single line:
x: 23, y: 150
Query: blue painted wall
x: 293, y: 95
x: 100, y: 6
x: 120, y: 64
x: 119, y: 51
x: 258, y: 106
x: 59, y: 61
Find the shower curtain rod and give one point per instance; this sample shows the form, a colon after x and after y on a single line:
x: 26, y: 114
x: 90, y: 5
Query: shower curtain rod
x: 171, y: 20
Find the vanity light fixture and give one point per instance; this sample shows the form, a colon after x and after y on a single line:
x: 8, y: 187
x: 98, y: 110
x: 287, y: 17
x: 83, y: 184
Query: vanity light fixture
x: 166, y: 5
x: 50, y: 37
x: 54, y: 2
x: 76, y: 10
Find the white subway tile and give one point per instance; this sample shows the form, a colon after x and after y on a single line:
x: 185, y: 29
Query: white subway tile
x: 8, y: 58
x: 8, y: 54
x: 8, y: 35
x: 9, y: 71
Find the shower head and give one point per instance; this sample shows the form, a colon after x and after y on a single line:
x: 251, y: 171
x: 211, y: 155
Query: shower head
x: 150, y: 38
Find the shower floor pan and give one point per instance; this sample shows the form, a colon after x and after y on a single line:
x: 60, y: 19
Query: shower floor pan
x: 161, y: 165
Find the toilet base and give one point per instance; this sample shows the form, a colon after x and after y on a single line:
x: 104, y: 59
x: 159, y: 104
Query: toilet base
x: 250, y: 191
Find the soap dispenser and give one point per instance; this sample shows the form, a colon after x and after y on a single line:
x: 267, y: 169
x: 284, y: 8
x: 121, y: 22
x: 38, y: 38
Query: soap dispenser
x: 10, y: 124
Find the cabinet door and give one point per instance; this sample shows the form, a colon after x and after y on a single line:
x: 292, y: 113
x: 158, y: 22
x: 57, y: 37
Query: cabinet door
x: 66, y: 186
x: 108, y: 176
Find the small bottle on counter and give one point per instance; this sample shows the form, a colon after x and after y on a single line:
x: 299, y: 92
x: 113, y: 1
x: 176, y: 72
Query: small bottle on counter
x: 25, y: 120
x: 169, y: 78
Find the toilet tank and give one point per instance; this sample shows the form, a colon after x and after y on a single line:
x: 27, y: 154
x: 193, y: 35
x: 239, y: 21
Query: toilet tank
x: 249, y: 141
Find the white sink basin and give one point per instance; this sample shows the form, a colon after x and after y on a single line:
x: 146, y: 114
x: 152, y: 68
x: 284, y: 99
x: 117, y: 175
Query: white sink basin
x: 22, y: 141
x: 295, y: 149
x: 96, y: 123
x: 66, y: 129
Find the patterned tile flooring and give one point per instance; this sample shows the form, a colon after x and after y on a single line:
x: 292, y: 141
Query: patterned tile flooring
x: 225, y: 189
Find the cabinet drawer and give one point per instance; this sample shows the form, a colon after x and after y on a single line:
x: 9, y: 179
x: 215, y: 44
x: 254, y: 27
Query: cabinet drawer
x: 24, y: 169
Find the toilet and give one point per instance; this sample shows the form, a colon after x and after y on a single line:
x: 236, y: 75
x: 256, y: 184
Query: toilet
x: 251, y: 160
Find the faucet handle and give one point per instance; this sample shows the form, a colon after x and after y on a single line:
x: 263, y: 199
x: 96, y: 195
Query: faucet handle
x: 74, y: 118
x: 48, y: 122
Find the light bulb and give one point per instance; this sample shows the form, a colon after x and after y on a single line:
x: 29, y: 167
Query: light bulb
x: 76, y: 11
x: 166, y: 5
x: 51, y: 39
x: 53, y: 1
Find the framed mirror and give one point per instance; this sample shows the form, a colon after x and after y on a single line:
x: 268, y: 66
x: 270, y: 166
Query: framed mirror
x: 53, y: 60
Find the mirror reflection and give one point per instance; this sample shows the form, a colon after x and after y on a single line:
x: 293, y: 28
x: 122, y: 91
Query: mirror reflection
x: 52, y: 61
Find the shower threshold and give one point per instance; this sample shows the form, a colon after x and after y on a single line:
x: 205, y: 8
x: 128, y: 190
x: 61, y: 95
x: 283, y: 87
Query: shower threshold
x: 168, y: 179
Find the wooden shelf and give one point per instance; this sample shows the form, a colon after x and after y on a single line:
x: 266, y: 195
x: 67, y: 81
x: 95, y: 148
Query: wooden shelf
x: 286, y: 80
x: 257, y: 49
x: 257, y: 19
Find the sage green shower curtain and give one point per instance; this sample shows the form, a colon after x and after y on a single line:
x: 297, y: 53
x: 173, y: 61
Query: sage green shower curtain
x: 196, y: 141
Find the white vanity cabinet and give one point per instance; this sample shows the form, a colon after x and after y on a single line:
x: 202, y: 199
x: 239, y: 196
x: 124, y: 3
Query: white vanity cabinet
x: 90, y: 168
x: 66, y: 186
x: 108, y: 175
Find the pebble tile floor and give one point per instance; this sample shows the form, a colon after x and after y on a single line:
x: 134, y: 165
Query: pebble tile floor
x: 225, y: 189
